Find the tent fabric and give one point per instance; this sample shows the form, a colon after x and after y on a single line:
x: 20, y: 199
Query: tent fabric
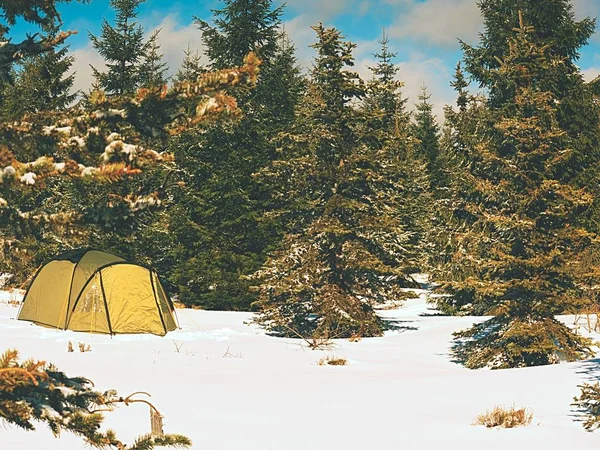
x: 94, y: 291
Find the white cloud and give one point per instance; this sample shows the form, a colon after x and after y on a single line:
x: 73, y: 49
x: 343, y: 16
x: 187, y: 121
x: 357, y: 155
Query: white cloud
x: 588, y: 8
x: 591, y: 73
x: 585, y: 8
x: 439, y: 22
x: 173, y: 39
x: 299, y: 31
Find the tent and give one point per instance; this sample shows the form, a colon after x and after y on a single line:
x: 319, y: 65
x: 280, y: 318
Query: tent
x: 93, y: 291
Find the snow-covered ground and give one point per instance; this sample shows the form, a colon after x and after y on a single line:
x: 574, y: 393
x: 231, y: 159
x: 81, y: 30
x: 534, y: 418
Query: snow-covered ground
x: 227, y: 385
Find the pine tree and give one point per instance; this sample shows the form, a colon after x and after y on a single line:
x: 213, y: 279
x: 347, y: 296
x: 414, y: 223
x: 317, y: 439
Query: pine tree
x: 345, y: 249
x: 426, y: 130
x: 123, y: 48
x: 520, y: 248
x: 460, y: 84
x: 42, y: 83
x: 221, y: 223
x: 191, y: 67
x: 152, y: 68
x: 384, y: 90
x: 90, y: 174
x: 242, y: 26
x: 41, y: 13
x: 36, y: 392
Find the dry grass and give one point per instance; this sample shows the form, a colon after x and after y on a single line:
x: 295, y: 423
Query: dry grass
x: 332, y: 361
x: 505, y: 417
x: 83, y: 347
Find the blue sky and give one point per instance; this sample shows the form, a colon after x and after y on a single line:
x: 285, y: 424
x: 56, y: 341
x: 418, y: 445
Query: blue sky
x: 424, y: 33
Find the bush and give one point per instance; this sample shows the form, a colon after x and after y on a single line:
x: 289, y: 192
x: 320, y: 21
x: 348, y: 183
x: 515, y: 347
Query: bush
x: 333, y: 361
x: 588, y: 403
x: 505, y: 417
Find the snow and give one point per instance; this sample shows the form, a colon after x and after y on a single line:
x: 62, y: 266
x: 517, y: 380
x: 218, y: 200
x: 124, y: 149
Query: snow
x: 28, y: 178
x: 227, y: 385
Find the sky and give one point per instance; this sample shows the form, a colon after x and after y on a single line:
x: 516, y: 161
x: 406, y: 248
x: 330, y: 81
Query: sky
x: 423, y: 33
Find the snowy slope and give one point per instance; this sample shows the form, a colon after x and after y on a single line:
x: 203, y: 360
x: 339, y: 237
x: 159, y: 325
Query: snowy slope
x: 229, y: 386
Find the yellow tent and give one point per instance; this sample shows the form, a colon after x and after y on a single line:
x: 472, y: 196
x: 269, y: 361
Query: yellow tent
x: 94, y: 291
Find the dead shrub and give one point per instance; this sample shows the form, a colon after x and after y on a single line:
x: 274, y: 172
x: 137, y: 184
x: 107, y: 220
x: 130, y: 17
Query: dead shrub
x: 505, y: 417
x: 332, y: 361
x: 83, y: 347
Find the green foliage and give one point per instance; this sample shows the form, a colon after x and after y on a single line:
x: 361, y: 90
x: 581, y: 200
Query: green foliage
x: 384, y: 97
x: 346, y: 247
x: 104, y: 180
x: 42, y: 13
x: 129, y: 59
x: 220, y: 217
x: 33, y: 392
x: 507, y: 342
x: 588, y: 404
x: 152, y: 68
x: 40, y: 83
x: 242, y: 26
x: 191, y: 67
x: 553, y: 24
x: 215, y: 218
x: 426, y: 130
x: 518, y: 234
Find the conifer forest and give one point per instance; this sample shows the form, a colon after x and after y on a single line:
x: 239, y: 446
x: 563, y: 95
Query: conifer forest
x: 312, y: 201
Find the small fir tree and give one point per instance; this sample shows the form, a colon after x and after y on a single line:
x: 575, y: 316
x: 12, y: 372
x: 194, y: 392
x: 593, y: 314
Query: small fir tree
x: 191, y: 66
x: 41, y: 83
x: 152, y: 68
x: 426, y: 131
x: 384, y: 95
x: 460, y: 85
x: 123, y: 48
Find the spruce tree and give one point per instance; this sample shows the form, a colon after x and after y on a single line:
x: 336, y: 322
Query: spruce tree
x: 460, y: 85
x: 191, y: 67
x: 40, y: 83
x: 221, y: 223
x: 384, y: 96
x: 152, y: 68
x: 345, y: 248
x: 242, y: 26
x: 522, y: 236
x: 123, y: 48
x: 554, y: 25
x: 426, y: 130
x: 41, y: 13
x: 34, y: 391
